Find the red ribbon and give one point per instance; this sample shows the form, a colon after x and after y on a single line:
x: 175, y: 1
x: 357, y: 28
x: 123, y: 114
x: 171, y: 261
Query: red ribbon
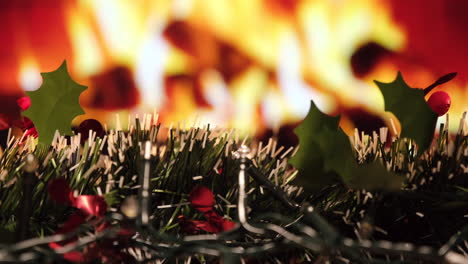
x: 89, y: 206
x: 202, y: 199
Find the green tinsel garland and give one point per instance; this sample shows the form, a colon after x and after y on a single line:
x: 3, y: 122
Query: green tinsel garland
x: 431, y: 207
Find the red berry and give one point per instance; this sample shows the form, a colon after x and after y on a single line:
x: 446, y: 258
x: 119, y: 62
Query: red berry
x: 24, y: 103
x: 439, y: 102
x: 90, y: 124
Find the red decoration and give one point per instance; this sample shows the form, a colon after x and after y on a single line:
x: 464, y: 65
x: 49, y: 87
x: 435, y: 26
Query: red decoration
x: 202, y: 199
x: 24, y: 103
x: 27, y: 124
x: 24, y: 123
x: 90, y: 124
x: 73, y: 222
x: 10, y: 115
x: 89, y: 206
x: 60, y: 191
x: 439, y: 102
x: 194, y: 226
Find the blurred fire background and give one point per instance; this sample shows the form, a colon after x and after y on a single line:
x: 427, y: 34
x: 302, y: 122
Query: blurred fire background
x: 248, y: 64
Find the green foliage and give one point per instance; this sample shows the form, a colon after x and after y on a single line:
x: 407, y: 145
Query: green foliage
x: 181, y: 157
x: 429, y: 199
x: 325, y: 152
x: 55, y: 104
x: 317, y: 135
x: 409, y: 106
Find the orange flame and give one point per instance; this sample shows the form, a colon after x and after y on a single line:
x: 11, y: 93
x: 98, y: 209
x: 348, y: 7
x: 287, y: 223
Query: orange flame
x: 249, y: 64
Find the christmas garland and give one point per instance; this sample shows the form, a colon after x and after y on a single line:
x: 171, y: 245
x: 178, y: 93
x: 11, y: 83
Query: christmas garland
x: 155, y: 194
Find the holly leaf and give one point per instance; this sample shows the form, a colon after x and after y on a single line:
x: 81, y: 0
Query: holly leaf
x: 55, y: 104
x: 417, y: 119
x: 325, y: 156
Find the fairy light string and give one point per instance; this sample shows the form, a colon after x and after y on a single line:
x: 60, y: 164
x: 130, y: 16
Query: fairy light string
x: 303, y: 227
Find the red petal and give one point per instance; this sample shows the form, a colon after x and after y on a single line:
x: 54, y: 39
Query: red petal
x: 228, y: 225
x: 91, y: 205
x: 186, y: 225
x: 207, y: 226
x: 74, y: 256
x: 220, y: 222
x: 202, y: 199
x: 195, y: 226
x: 73, y: 222
x: 60, y: 191
x: 24, y: 103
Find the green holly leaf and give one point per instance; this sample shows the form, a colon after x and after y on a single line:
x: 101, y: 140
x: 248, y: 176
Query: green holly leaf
x: 55, y: 104
x: 325, y: 156
x: 409, y: 106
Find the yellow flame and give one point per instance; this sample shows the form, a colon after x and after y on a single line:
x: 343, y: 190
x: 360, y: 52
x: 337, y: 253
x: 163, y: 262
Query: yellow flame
x: 87, y: 54
x: 308, y: 52
x: 334, y: 30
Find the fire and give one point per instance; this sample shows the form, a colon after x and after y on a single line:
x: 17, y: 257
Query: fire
x: 29, y: 74
x: 249, y: 64
x: 88, y: 54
